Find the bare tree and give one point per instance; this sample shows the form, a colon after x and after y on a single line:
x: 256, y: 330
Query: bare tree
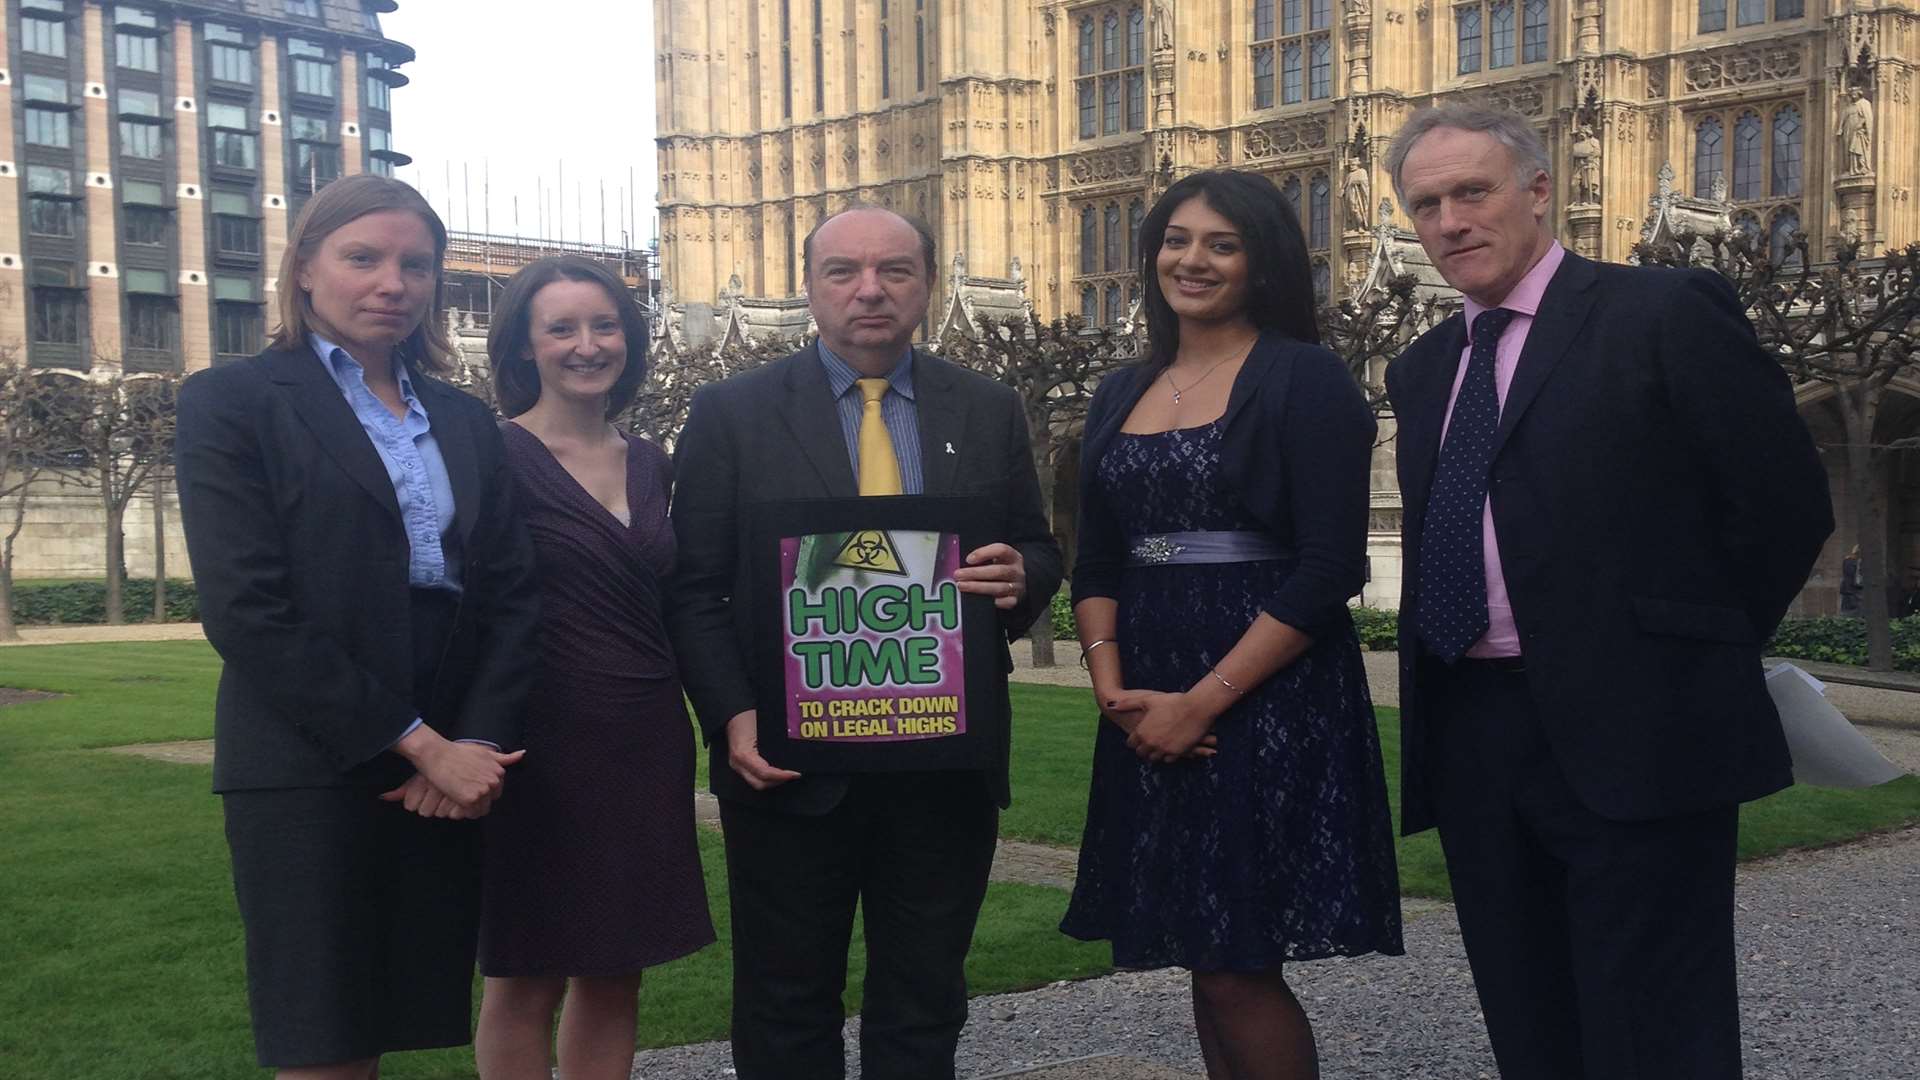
x: 26, y: 456
x: 1369, y: 331
x: 1851, y: 324
x: 120, y: 429
x: 1054, y: 368
x: 659, y: 411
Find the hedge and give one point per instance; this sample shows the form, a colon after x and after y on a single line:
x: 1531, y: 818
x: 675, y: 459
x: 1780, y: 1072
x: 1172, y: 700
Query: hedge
x: 85, y: 602
x: 1828, y: 638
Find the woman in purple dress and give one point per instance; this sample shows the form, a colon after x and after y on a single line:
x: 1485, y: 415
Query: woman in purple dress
x: 592, y: 870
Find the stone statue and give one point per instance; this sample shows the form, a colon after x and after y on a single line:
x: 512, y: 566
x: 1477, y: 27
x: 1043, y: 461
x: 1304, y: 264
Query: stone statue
x: 1586, y: 165
x: 1015, y: 271
x: 1856, y: 133
x: 1162, y: 24
x: 1358, y: 193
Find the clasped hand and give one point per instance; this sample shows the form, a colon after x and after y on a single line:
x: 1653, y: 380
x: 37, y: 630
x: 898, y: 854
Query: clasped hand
x: 1162, y: 727
x: 456, y: 780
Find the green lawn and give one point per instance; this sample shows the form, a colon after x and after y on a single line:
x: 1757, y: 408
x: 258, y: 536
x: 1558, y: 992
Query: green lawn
x: 123, y: 950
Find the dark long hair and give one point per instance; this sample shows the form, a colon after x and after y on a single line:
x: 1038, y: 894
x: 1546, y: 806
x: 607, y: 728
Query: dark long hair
x: 516, y: 381
x: 1279, y: 280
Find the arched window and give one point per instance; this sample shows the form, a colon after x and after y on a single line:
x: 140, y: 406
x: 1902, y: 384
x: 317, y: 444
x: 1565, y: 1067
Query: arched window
x: 1747, y: 224
x: 1788, y: 148
x: 1110, y: 88
x: 1133, y: 296
x: 1115, y: 238
x: 1087, y: 65
x: 1500, y: 22
x: 1290, y: 191
x: 1319, y: 68
x: 1089, y: 240
x: 1467, y: 32
x: 1322, y: 280
x: 1090, y: 305
x: 1320, y: 216
x: 1780, y: 249
x: 1087, y: 115
x: 1533, y: 44
x: 1114, y: 311
x: 1263, y: 77
x: 1110, y: 41
x: 1136, y: 213
x: 1136, y: 37
x: 1746, y: 156
x: 1709, y: 157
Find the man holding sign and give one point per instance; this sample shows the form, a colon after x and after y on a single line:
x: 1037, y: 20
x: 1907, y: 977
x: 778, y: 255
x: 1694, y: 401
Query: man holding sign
x: 866, y: 622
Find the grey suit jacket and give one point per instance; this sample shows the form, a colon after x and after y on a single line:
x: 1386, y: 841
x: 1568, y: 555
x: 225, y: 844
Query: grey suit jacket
x: 774, y: 433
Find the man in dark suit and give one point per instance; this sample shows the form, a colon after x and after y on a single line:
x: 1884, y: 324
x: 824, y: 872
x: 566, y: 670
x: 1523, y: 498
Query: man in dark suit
x: 1610, y: 503
x: 858, y: 413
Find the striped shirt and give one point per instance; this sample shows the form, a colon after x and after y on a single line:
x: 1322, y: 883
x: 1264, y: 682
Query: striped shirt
x: 897, y: 408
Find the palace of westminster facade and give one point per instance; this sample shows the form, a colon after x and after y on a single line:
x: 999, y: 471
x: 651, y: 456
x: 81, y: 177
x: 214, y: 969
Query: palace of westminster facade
x: 1031, y: 136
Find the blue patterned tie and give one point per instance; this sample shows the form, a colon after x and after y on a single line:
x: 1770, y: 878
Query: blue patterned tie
x: 1451, y: 608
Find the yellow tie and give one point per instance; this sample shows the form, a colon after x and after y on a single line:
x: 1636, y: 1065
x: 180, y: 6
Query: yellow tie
x: 879, y: 469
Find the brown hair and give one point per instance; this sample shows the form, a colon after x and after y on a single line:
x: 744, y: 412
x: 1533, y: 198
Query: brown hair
x: 516, y: 381
x: 428, y: 348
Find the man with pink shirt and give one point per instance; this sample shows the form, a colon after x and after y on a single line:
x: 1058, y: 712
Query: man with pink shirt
x: 1610, y: 503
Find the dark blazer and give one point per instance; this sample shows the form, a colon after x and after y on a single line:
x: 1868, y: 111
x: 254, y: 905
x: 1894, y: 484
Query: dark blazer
x: 1296, y: 452
x: 1658, y: 503
x: 774, y: 433
x: 300, y: 559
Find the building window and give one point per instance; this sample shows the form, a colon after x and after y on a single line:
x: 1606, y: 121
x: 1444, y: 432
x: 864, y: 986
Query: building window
x: 1533, y: 32
x: 152, y: 321
x: 1500, y: 33
x: 886, y: 56
x: 1115, y: 311
x: 47, y: 88
x: 379, y: 95
x: 233, y: 143
x: 1117, y: 73
x: 229, y: 55
x: 1090, y: 306
x: 1136, y: 213
x: 48, y: 37
x: 236, y: 231
x: 1708, y: 156
x: 920, y: 45
x: 1322, y: 281
x: 316, y: 156
x: 1116, y: 239
x: 49, y: 127
x: 1320, y: 211
x: 1748, y: 141
x: 309, y: 9
x: 136, y: 52
x: 1304, y: 49
x: 146, y: 226
x: 237, y: 320
x: 1747, y: 224
x: 1466, y: 22
x: 1789, y: 9
x: 1089, y: 240
x: 1713, y: 15
x: 819, y: 57
x: 49, y: 201
x: 140, y: 140
x: 312, y: 68
x: 58, y: 315
x: 1787, y: 152
x: 1780, y: 248
x: 1290, y: 191
x: 1749, y: 12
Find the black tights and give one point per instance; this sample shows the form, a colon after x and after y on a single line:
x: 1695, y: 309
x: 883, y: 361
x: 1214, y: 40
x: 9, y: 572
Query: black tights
x: 1251, y: 1027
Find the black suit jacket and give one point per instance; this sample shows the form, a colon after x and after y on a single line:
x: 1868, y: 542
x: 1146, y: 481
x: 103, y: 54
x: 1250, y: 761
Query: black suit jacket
x: 1658, y: 504
x: 774, y: 433
x: 300, y: 559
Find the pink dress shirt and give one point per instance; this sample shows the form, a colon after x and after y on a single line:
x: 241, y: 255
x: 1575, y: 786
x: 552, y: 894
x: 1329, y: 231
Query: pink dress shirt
x: 1502, y: 638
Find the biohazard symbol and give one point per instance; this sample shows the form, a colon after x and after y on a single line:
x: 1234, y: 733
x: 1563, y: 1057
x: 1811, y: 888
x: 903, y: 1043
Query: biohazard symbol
x: 870, y: 550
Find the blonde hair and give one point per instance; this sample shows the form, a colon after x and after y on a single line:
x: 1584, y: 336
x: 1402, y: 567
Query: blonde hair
x: 428, y: 347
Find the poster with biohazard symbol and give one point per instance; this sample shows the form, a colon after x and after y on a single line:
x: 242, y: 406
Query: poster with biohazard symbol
x: 873, y: 637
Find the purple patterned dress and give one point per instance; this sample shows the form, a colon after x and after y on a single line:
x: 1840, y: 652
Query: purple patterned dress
x: 591, y: 863
x: 1278, y: 848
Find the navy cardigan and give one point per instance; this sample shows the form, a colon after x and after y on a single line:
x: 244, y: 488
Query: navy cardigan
x: 1296, y: 452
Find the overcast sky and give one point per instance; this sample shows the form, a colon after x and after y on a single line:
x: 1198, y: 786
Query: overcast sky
x: 508, y: 96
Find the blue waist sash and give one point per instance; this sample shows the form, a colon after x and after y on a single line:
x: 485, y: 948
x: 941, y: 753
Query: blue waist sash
x: 1218, y: 546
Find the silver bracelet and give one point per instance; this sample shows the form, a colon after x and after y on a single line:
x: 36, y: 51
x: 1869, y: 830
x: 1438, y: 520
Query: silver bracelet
x: 1222, y: 680
x: 1089, y: 649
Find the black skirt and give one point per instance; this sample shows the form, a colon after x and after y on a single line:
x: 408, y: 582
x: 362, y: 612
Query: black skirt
x: 361, y: 918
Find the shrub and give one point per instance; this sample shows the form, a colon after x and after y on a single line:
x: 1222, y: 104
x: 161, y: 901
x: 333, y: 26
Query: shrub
x: 1836, y: 640
x: 1379, y: 628
x: 84, y: 603
x: 1064, y: 628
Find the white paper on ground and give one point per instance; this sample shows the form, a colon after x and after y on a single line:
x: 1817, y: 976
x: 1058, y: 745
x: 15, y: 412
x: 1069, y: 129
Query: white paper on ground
x: 1828, y: 751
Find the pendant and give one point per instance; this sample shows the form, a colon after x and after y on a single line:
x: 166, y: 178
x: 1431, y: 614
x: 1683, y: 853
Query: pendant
x: 1176, y: 397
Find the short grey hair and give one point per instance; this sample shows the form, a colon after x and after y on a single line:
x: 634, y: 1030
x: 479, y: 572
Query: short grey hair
x: 1515, y: 132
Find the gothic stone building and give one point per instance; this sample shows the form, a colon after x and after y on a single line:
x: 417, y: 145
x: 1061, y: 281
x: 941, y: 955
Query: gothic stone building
x: 1038, y: 131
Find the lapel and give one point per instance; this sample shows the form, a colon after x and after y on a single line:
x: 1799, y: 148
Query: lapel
x: 814, y: 419
x: 1425, y: 410
x: 457, y: 449
x: 320, y: 405
x: 1563, y: 311
x: 941, y: 412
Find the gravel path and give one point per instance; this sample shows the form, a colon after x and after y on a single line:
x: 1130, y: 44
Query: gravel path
x: 1829, y: 950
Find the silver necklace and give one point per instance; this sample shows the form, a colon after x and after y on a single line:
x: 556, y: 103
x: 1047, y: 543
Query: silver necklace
x: 1178, y: 389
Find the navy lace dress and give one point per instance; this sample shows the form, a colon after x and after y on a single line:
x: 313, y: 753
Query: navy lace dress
x: 1278, y: 848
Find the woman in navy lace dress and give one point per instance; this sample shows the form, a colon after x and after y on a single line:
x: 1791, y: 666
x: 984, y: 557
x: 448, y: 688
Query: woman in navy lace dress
x: 1238, y: 815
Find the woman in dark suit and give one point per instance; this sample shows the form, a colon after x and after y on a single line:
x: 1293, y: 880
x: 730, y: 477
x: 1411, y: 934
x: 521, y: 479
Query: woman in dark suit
x: 363, y: 575
x: 1238, y: 814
